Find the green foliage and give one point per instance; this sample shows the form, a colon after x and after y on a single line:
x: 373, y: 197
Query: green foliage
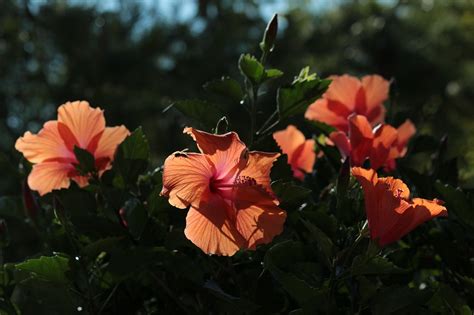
x: 295, y: 98
x: 226, y: 87
x: 132, y: 157
x: 252, y: 69
x: 86, y: 161
x: 51, y: 269
x: 203, y: 112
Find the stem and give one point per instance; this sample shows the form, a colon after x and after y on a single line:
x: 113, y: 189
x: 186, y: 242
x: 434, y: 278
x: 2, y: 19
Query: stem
x: 77, y: 248
x: 108, y: 298
x: 265, y: 124
x: 170, y: 294
x: 252, y: 94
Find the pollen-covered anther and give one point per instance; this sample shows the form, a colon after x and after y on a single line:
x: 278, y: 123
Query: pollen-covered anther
x: 245, y: 181
x: 398, y: 193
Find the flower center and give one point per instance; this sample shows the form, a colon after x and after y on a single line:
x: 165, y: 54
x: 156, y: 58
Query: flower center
x: 225, y: 186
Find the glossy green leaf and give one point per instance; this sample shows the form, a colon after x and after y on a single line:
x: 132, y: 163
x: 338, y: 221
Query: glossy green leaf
x: 233, y: 304
x: 226, y: 87
x: 273, y: 73
x: 289, y: 191
x: 251, y: 68
x: 398, y: 298
x: 202, y: 112
x: 136, y: 217
x: 295, y: 98
x: 278, y: 259
x: 132, y: 156
x: 49, y: 268
x: 458, y: 203
x: 377, y: 265
x: 86, y: 161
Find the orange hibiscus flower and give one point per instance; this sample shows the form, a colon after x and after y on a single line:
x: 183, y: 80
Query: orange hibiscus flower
x: 364, y: 143
x: 390, y: 211
x: 300, y: 152
x: 52, y: 149
x: 348, y: 95
x: 399, y: 148
x: 228, y: 191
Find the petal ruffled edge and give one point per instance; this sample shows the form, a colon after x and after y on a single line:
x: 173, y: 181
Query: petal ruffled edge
x: 83, y: 121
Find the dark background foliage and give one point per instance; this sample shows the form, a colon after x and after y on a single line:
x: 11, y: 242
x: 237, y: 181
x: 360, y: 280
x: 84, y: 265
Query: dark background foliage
x: 134, y: 59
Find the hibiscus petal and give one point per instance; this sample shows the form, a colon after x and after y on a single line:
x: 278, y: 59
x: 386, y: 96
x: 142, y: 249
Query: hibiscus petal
x: 83, y: 121
x: 300, y: 151
x: 376, y: 116
x: 361, y: 136
x: 186, y: 178
x: 384, y: 138
x: 376, y: 91
x: 109, y: 141
x: 303, y: 159
x: 344, y: 89
x: 420, y: 211
x: 46, y: 145
x: 289, y: 140
x: 259, y: 167
x: 47, y: 176
x: 384, y: 200
x: 405, y: 132
x: 427, y: 209
x: 329, y: 112
x: 340, y: 139
x: 225, y: 151
x: 210, y: 229
x: 258, y: 219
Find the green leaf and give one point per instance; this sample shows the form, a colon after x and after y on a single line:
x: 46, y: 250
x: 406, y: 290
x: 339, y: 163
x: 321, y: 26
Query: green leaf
x: 232, y: 303
x: 251, y: 68
x: 199, y: 111
x: 52, y: 268
x: 135, y: 146
x: 34, y: 296
x: 376, y: 265
x: 226, y: 87
x: 128, y: 261
x: 289, y: 191
x: 278, y: 259
x: 397, y: 298
x: 273, y: 73
x: 295, y: 98
x: 136, y: 217
x: 458, y: 203
x: 77, y: 202
x: 324, y: 244
x: 86, y: 161
x: 132, y: 156
x: 448, y: 301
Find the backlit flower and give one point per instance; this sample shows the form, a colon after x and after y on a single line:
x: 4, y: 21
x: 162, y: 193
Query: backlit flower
x: 300, y: 152
x: 348, y: 95
x: 228, y: 191
x: 364, y: 143
x: 399, y: 148
x: 52, y: 149
x: 391, y: 213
